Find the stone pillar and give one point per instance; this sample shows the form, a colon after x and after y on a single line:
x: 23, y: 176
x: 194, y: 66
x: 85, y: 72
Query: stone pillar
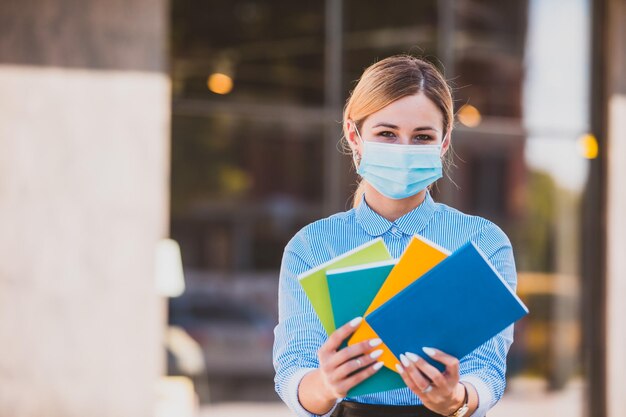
x: 616, y: 207
x: 84, y: 168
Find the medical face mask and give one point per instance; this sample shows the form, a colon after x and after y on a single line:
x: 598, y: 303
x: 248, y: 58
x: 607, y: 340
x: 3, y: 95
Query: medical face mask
x: 399, y: 171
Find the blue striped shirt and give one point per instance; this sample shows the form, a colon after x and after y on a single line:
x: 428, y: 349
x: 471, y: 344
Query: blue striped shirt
x: 299, y: 333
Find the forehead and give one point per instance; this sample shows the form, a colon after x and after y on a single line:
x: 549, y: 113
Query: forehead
x: 408, y: 112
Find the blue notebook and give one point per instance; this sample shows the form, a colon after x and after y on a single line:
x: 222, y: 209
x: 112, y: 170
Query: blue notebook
x: 455, y: 307
x: 352, y: 290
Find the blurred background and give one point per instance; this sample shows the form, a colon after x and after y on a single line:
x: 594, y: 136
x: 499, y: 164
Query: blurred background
x: 156, y: 157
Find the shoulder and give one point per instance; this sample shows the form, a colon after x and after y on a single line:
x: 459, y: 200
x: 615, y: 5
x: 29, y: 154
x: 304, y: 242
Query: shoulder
x: 470, y: 226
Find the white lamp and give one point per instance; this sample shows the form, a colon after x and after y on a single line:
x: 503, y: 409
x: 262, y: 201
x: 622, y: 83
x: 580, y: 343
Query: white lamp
x: 170, y: 280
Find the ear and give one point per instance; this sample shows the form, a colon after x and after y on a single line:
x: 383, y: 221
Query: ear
x: 351, y: 136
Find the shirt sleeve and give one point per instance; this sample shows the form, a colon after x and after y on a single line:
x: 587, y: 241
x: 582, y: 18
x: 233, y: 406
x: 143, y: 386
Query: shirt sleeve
x: 298, y: 335
x: 485, y: 367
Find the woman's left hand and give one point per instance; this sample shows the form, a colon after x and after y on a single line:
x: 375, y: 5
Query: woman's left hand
x: 441, y: 392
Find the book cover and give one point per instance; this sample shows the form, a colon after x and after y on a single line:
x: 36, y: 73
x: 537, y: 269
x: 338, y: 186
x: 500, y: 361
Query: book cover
x: 419, y: 257
x: 351, y: 291
x: 455, y: 307
x: 316, y: 287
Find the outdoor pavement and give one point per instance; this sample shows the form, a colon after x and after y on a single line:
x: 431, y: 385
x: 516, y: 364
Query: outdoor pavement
x: 525, y: 397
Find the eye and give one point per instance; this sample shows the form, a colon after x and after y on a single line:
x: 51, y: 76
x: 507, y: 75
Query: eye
x: 422, y: 138
x: 386, y: 134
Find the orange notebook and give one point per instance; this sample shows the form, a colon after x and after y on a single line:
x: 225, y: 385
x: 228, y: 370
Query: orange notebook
x: 418, y: 258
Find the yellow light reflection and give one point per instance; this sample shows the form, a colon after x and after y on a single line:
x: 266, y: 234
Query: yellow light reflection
x: 220, y: 83
x: 588, y: 146
x: 235, y: 180
x: 469, y: 115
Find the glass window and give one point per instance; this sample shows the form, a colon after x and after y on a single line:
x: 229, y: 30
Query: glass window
x: 256, y: 126
x: 272, y: 51
x: 240, y: 188
x: 371, y: 33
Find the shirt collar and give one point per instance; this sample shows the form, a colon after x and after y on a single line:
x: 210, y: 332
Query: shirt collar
x: 411, y: 223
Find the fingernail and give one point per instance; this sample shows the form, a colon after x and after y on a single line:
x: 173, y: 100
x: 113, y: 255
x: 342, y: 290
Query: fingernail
x: 405, y: 361
x: 375, y: 342
x: 412, y: 356
x: 378, y: 365
x: 399, y: 368
x: 429, y: 351
x: 376, y: 353
x: 356, y: 321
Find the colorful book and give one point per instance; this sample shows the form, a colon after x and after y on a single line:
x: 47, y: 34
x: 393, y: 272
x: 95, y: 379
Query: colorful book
x: 352, y: 290
x: 455, y: 307
x: 316, y: 287
x: 419, y: 257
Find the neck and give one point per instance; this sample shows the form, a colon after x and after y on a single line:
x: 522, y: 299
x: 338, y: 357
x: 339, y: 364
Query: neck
x: 389, y: 208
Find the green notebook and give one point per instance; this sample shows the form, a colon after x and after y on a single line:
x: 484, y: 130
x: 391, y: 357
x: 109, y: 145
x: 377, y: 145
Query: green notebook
x: 316, y: 287
x: 351, y: 291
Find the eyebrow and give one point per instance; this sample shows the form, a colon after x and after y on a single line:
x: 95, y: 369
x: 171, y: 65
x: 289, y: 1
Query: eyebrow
x: 392, y: 126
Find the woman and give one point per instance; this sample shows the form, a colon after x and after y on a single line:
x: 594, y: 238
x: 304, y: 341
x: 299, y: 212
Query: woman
x: 397, y: 123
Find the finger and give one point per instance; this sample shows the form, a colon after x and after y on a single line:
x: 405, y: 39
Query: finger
x: 339, y: 335
x: 427, y: 369
x: 357, y: 363
x: 418, y: 381
x: 410, y: 383
x: 360, y: 376
x: 353, y: 351
x: 451, y: 363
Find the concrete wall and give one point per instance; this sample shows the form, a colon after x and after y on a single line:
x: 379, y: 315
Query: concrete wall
x: 84, y: 157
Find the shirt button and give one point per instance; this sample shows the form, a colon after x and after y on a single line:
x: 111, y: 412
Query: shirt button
x: 394, y: 230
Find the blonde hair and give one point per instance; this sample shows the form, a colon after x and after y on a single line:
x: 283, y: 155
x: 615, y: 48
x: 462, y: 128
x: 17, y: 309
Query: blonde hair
x: 391, y: 79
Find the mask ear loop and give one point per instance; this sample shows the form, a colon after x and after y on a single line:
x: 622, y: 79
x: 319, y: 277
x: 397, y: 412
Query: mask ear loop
x: 356, y: 158
x: 447, y: 138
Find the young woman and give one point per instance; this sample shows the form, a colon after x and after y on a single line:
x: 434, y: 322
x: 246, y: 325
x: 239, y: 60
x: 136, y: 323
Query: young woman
x: 398, y: 123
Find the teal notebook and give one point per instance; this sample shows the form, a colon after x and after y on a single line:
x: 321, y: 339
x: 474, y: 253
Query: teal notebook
x: 455, y: 307
x: 314, y: 283
x: 352, y: 290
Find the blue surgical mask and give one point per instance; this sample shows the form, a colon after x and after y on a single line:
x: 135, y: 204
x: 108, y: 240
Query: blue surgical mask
x: 399, y: 171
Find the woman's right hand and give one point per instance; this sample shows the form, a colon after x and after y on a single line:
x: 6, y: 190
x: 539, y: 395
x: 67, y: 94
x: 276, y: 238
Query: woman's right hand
x: 342, y: 369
